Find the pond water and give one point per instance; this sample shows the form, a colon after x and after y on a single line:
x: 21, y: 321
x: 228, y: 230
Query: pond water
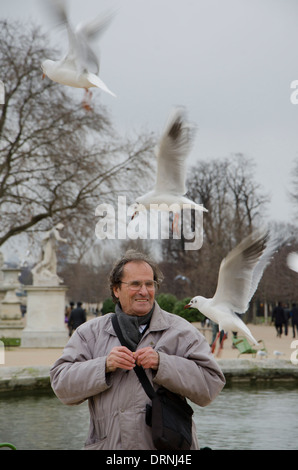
x: 243, y: 417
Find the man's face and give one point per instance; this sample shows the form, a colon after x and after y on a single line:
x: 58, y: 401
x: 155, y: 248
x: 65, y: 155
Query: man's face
x: 134, y: 302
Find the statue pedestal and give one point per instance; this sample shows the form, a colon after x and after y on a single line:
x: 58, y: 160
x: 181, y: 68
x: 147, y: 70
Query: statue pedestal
x: 11, y: 322
x: 10, y: 307
x: 45, y: 326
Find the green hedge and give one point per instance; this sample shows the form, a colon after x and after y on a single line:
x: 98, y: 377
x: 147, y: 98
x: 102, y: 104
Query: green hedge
x: 11, y: 342
x: 108, y: 306
x: 166, y: 301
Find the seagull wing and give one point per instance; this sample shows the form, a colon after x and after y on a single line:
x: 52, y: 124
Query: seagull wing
x: 292, y: 261
x: 73, y: 57
x: 87, y: 32
x: 173, y: 149
x: 263, y: 262
x: 95, y: 28
x: 81, y: 53
x: 239, y: 273
x: 57, y: 10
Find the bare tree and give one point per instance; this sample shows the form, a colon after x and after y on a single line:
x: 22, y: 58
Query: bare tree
x: 249, y: 202
x: 234, y: 200
x: 279, y: 282
x: 57, y: 161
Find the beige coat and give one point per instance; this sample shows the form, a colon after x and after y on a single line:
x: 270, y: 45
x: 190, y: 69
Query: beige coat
x: 117, y: 400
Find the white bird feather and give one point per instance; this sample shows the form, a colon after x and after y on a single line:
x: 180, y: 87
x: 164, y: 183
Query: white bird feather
x: 292, y: 261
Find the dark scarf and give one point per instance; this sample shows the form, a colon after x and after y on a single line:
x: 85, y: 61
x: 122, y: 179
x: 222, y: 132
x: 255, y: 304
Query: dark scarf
x: 130, y: 324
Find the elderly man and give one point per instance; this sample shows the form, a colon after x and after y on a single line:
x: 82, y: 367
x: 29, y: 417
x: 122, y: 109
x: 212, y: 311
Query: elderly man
x: 96, y: 367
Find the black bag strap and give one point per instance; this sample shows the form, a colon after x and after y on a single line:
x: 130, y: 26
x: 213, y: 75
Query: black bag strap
x: 142, y: 376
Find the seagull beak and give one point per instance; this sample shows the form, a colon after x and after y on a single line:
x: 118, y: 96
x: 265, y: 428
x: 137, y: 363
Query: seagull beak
x: 133, y: 215
x: 187, y: 306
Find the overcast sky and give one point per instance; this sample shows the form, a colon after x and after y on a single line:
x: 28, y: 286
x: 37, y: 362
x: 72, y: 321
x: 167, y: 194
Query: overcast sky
x: 229, y: 62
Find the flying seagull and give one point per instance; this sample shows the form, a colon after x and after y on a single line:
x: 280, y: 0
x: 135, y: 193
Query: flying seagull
x: 238, y: 278
x: 80, y: 67
x: 171, y: 153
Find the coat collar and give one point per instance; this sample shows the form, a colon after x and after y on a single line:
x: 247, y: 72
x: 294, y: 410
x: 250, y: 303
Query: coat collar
x: 159, y: 321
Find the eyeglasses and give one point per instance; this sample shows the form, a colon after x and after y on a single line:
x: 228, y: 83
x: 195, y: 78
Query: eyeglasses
x: 137, y: 285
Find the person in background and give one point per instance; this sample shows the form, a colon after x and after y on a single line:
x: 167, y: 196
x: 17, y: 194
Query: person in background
x: 287, y: 318
x: 77, y: 318
x: 294, y: 319
x: 68, y: 311
x: 96, y: 367
x: 278, y: 316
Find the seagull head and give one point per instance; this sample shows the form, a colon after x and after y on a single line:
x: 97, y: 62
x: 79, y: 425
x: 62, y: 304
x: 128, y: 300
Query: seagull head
x: 195, y: 302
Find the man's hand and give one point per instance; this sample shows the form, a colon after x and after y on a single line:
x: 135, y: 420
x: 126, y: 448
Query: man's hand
x: 147, y: 357
x: 120, y: 357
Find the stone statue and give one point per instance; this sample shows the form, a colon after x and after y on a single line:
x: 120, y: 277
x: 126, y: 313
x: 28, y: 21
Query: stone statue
x: 45, y: 272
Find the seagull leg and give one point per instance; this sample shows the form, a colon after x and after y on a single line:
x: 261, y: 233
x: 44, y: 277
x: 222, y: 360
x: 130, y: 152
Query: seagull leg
x: 175, y: 223
x: 86, y: 103
x: 221, y: 344
x: 214, y: 342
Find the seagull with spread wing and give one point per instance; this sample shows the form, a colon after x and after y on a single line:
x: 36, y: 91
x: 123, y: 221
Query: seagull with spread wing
x: 239, y: 275
x: 171, y: 153
x: 80, y: 67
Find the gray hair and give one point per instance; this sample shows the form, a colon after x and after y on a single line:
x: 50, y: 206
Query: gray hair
x: 116, y: 274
